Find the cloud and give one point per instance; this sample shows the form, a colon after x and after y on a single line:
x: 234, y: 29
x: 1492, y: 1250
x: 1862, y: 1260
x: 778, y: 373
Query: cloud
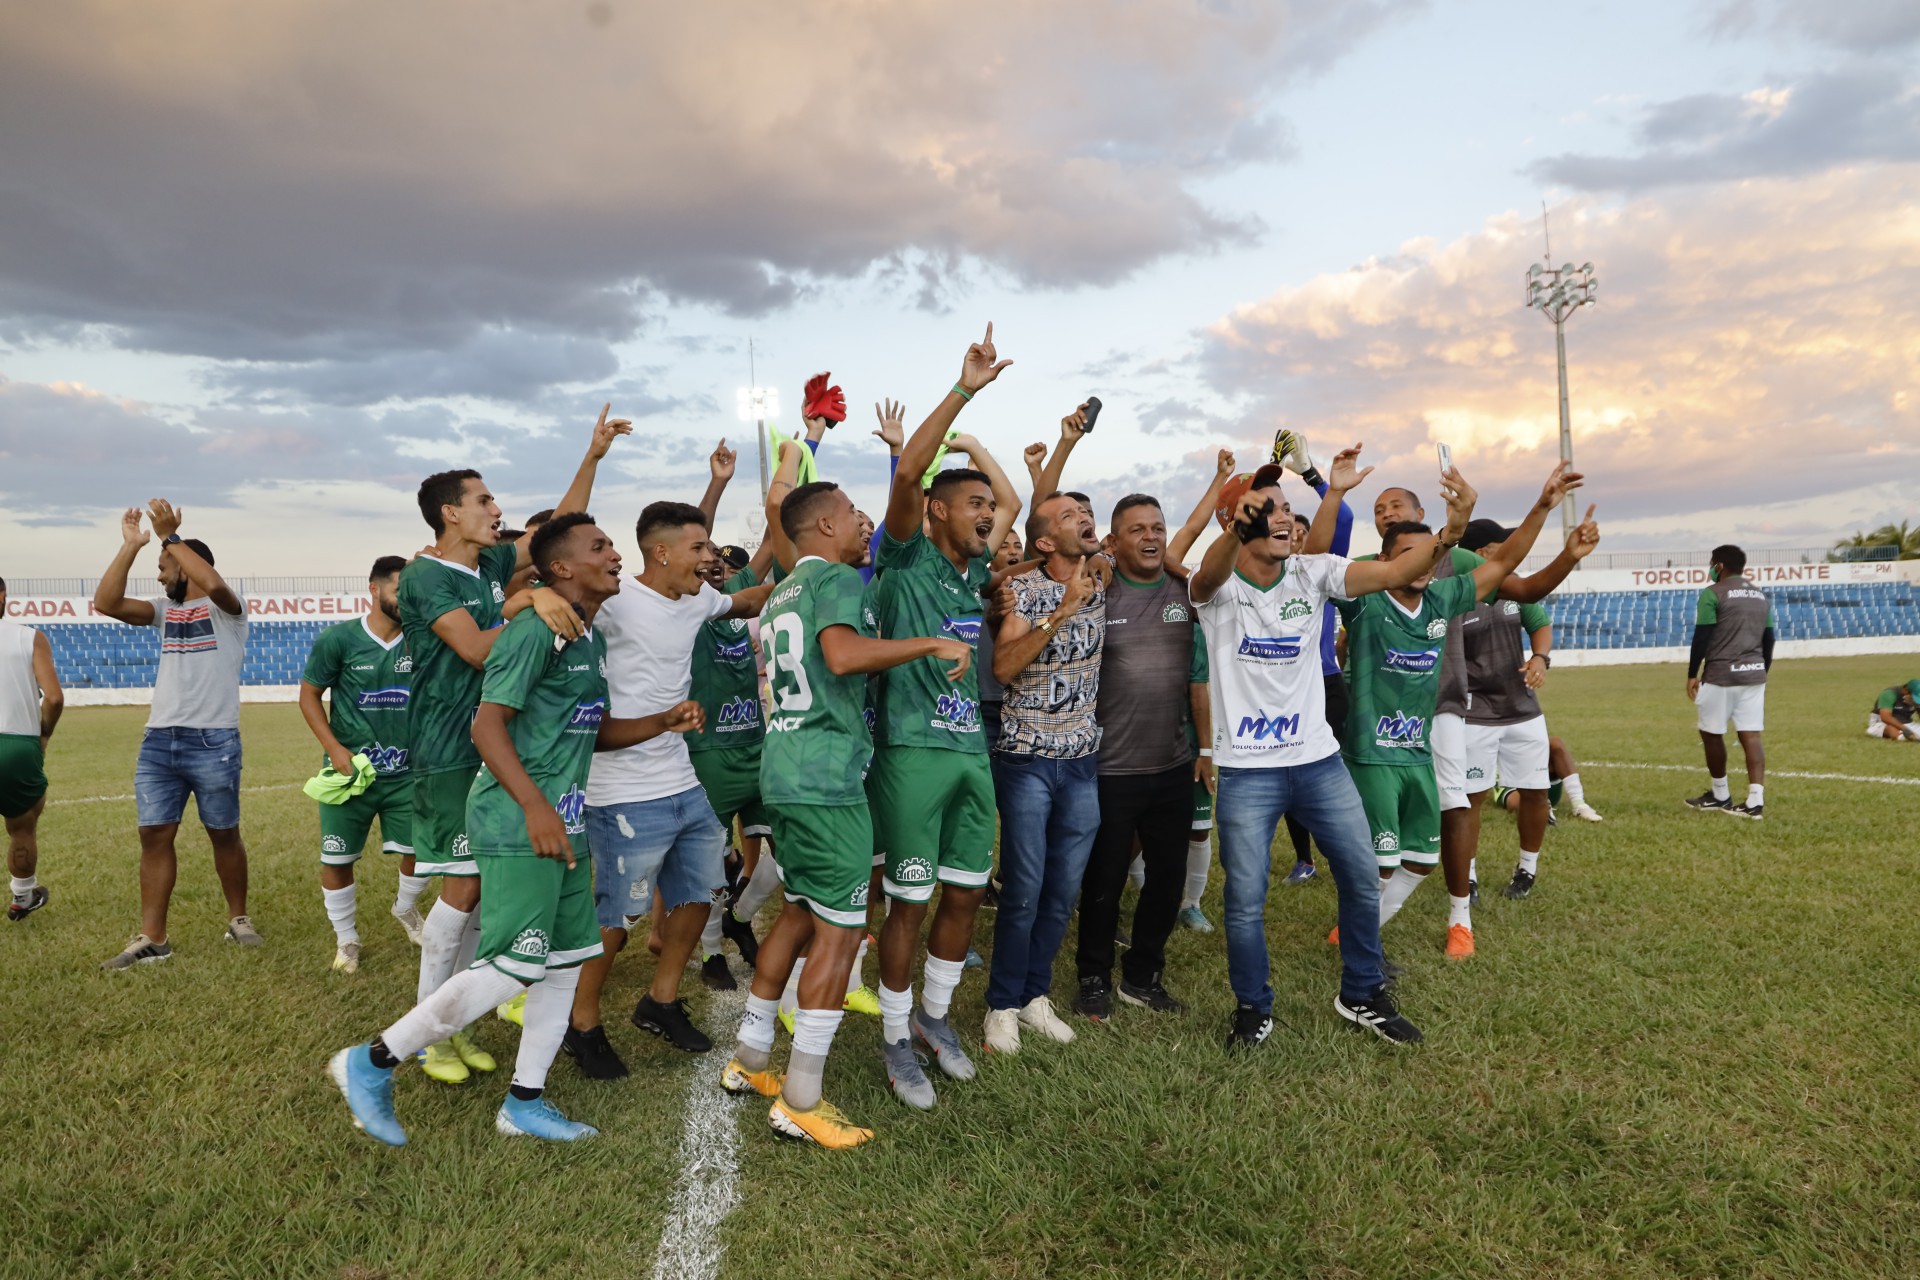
x: 321, y: 188
x: 1860, y: 114
x: 1858, y: 26
x: 1753, y: 343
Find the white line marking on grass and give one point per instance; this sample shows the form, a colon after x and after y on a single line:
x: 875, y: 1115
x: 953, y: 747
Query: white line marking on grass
x: 277, y: 786
x: 1771, y: 773
x: 709, y: 1183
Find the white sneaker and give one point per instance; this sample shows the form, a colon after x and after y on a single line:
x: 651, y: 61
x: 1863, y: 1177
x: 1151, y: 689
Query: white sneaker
x: 411, y: 920
x: 1587, y: 811
x: 347, y: 958
x: 1040, y: 1016
x: 1002, y: 1032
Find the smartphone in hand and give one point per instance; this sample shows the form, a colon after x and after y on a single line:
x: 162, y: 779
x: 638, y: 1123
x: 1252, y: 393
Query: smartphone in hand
x: 1446, y: 458
x: 1092, y: 411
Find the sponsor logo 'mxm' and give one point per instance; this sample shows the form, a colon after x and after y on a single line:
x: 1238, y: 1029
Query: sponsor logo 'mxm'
x: 1271, y: 648
x: 572, y: 808
x: 957, y: 712
x: 1399, y: 727
x: 386, y: 759
x: 1262, y: 727
x: 739, y: 713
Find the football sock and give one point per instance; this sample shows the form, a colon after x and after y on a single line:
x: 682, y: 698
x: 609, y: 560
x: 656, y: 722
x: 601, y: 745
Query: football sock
x: 439, y: 946
x: 1756, y: 795
x: 340, y: 913
x: 1575, y: 793
x: 1395, y: 891
x: 1720, y: 791
x: 1199, y: 858
x: 469, y: 942
x: 895, y: 1008
x: 790, y: 998
x: 760, y: 885
x: 710, y: 936
x: 549, y: 1009
x: 461, y: 999
x: 1529, y: 862
x: 812, y: 1037
x: 1459, y: 911
x: 1137, y: 873
x: 22, y: 886
x: 1473, y: 868
x: 754, y: 1047
x: 938, y: 981
x: 854, y: 978
x: 408, y: 895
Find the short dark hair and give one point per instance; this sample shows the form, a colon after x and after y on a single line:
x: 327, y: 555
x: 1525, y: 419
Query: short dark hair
x: 200, y: 549
x: 550, y: 539
x: 3, y: 586
x: 539, y: 518
x: 1483, y: 533
x: 1128, y: 503
x: 1301, y: 517
x: 946, y: 481
x: 1730, y: 558
x: 511, y: 536
x: 443, y: 489
x: 1038, y: 526
x: 386, y: 567
x: 1412, y: 497
x: 656, y: 516
x: 1080, y: 498
x: 1396, y: 531
x: 803, y: 506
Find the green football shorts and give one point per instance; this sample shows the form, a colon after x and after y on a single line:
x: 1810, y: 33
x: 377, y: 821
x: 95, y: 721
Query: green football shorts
x: 821, y: 852
x: 535, y: 913
x: 731, y: 778
x: 1403, y: 811
x: 23, y: 775
x: 440, y: 824
x: 1202, y: 808
x: 934, y: 819
x: 344, y: 827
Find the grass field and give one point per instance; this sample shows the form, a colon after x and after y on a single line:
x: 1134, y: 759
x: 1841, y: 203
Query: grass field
x: 1690, y: 1054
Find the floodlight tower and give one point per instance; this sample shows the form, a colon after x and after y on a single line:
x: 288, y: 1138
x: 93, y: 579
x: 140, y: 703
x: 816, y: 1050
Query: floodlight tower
x: 756, y: 404
x: 1556, y: 293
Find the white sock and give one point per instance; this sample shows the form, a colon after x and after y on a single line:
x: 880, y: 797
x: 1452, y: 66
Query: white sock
x: 1756, y: 795
x: 1137, y: 872
x: 1530, y: 862
x: 1575, y: 793
x: 22, y: 886
x: 340, y: 912
x: 1395, y: 891
x: 549, y: 1009
x: 938, y: 981
x: 755, y: 1036
x: 1199, y: 858
x: 440, y: 947
x: 854, y: 978
x: 813, y: 1030
x: 790, y: 998
x: 1473, y: 869
x: 764, y: 880
x: 895, y: 1008
x: 1459, y: 911
x: 710, y: 936
x: 459, y: 1000
x: 407, y: 897
x: 1720, y: 791
x: 469, y: 941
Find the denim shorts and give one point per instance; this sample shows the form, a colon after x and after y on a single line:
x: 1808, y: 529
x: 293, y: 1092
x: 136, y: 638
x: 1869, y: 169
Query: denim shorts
x: 674, y: 845
x: 176, y: 763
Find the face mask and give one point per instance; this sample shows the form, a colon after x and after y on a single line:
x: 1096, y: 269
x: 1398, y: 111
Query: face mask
x: 1713, y: 574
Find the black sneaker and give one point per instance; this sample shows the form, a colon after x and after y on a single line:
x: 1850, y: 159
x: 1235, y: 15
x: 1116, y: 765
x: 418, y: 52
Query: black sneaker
x: 1381, y: 1016
x: 1754, y: 811
x: 1520, y: 886
x: 594, y: 1052
x: 1705, y: 800
x: 1473, y: 893
x: 1392, y: 971
x: 714, y: 972
x: 1150, y: 995
x: 1250, y: 1027
x: 1121, y: 938
x: 670, y: 1023
x: 740, y: 933
x: 1096, y: 997
x: 1553, y: 819
x: 36, y: 899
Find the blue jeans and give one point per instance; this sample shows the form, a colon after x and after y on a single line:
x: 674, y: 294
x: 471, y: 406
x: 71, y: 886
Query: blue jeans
x: 1247, y: 812
x: 1049, y: 813
x: 175, y: 763
x: 672, y: 846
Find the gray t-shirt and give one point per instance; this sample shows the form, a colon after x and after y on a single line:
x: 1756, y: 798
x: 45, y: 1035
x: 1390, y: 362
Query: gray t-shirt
x: 202, y: 647
x: 1739, y: 614
x: 1144, y: 667
x: 1491, y: 638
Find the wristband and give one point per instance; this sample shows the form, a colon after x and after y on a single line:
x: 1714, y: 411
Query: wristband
x: 962, y: 392
x: 1313, y: 477
x: 1206, y: 752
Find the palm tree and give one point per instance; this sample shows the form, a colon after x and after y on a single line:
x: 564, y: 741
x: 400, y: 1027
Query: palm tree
x: 1903, y: 538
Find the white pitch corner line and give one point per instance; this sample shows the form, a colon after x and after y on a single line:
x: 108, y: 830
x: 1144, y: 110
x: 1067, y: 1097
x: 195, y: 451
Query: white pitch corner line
x: 277, y: 786
x: 709, y: 1184
x: 1771, y: 773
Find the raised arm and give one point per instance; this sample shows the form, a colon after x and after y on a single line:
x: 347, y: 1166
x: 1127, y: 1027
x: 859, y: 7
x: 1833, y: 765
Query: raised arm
x: 721, y: 464
x: 1344, y: 478
x: 110, y: 593
x: 165, y: 519
x: 52, y: 699
x: 1367, y: 576
x: 785, y: 473
x: 1189, y: 533
x: 905, y: 509
x: 1500, y: 566
x: 1072, y: 429
x: 580, y: 492
x: 1006, y: 503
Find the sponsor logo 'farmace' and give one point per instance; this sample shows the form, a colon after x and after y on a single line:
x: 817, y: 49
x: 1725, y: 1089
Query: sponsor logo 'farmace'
x: 1418, y: 661
x: 1270, y: 648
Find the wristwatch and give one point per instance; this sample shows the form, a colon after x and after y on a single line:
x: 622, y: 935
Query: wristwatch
x: 1047, y: 628
x: 1546, y: 658
x: 170, y: 539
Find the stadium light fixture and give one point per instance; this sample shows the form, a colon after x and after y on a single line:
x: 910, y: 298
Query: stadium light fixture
x: 1556, y: 293
x: 756, y: 405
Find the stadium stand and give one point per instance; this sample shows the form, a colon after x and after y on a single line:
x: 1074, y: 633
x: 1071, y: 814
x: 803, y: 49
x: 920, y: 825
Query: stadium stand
x: 1653, y: 619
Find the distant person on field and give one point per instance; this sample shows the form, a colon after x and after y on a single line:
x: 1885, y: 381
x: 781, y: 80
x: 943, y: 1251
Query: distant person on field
x: 1891, y: 718
x: 30, y: 705
x: 1727, y: 678
x: 1563, y: 779
x: 192, y: 743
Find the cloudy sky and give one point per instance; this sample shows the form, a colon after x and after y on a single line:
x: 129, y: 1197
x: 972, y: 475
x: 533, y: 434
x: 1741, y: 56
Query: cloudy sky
x: 277, y: 261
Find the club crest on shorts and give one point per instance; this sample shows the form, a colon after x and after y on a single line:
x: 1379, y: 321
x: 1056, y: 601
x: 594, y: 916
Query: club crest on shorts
x: 859, y: 898
x: 913, y: 871
x: 460, y: 847
x: 531, y: 944
x: 333, y: 844
x: 1476, y: 772
x: 1386, y: 842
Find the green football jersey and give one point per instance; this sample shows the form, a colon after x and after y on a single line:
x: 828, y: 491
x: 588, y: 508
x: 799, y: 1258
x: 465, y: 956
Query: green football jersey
x: 726, y: 679
x: 915, y: 592
x: 445, y: 689
x: 1393, y: 670
x: 817, y: 740
x: 370, y: 683
x: 559, y: 691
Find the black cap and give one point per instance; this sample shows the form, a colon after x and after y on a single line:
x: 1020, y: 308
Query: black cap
x: 1483, y: 533
x: 736, y: 557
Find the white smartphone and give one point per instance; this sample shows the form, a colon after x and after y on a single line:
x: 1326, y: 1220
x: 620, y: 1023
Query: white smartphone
x: 1446, y: 458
